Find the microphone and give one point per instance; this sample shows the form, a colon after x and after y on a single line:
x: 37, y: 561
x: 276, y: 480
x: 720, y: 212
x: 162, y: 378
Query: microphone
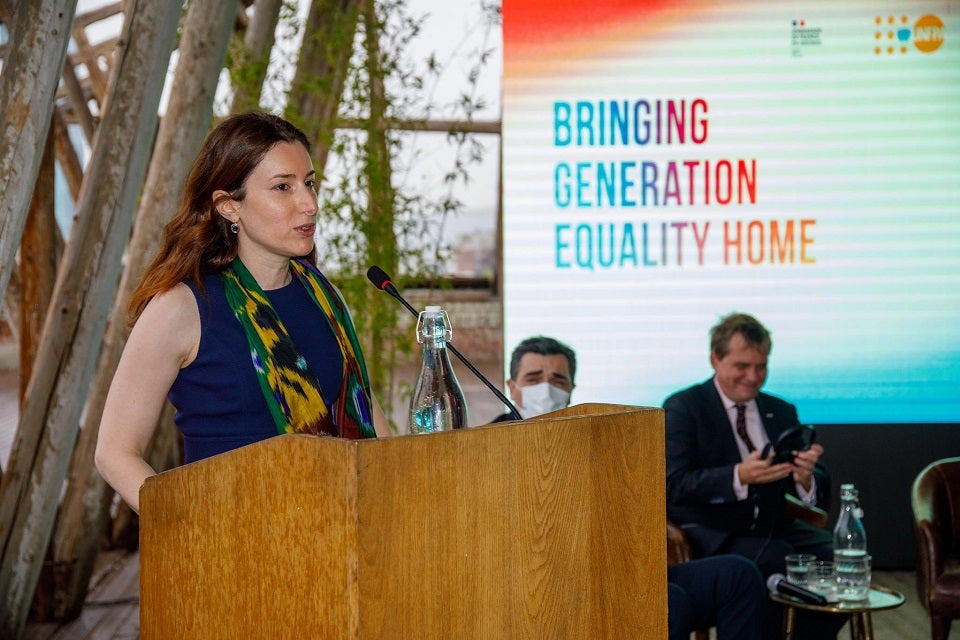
x: 381, y: 281
x: 777, y: 583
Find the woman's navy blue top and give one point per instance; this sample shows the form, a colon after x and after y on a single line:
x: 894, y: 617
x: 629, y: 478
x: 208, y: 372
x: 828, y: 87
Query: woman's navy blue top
x: 218, y: 399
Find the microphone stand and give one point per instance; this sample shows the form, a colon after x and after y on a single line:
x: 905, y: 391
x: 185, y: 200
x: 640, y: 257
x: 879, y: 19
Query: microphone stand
x: 387, y: 286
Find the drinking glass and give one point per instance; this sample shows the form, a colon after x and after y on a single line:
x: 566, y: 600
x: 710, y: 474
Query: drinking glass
x: 853, y: 576
x: 822, y: 579
x: 798, y: 566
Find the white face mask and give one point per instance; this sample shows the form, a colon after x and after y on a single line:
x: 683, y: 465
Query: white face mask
x: 542, y: 398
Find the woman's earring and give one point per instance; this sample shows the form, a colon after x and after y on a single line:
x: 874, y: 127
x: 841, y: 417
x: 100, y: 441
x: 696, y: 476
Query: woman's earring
x: 234, y: 227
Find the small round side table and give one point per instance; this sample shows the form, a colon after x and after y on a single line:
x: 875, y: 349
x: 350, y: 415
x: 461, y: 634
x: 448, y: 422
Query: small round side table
x: 861, y: 627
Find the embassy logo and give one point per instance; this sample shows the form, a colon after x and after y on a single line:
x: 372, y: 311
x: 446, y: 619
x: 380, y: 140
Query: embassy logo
x: 894, y: 35
x: 802, y: 37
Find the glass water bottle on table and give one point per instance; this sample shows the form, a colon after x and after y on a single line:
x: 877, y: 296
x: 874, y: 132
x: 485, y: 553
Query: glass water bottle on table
x: 438, y: 403
x: 850, y: 559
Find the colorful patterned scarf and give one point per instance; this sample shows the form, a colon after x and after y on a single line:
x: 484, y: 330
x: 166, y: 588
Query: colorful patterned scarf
x: 292, y: 392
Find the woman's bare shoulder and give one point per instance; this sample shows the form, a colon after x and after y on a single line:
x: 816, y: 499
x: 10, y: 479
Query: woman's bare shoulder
x: 171, y: 321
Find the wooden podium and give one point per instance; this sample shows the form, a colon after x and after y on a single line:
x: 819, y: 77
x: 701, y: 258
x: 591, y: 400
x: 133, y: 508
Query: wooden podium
x: 546, y: 528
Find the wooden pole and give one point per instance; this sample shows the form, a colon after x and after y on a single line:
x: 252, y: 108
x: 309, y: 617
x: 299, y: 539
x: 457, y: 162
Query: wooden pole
x: 253, y: 60
x: 67, y: 156
x: 85, y: 285
x: 321, y: 71
x: 38, y: 264
x: 202, y: 51
x: 28, y: 85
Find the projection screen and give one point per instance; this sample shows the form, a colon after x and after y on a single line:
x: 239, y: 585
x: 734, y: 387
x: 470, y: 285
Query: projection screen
x: 666, y: 163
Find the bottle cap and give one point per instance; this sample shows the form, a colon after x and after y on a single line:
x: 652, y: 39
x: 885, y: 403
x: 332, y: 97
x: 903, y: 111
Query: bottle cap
x: 438, y: 318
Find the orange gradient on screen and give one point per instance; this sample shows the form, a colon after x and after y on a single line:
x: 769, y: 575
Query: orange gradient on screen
x: 542, y: 37
x: 554, y: 21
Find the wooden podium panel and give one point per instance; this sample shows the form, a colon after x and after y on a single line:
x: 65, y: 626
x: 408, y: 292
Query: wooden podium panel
x: 544, y: 528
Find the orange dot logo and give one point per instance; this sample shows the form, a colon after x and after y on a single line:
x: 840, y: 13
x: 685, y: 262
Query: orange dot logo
x: 928, y: 33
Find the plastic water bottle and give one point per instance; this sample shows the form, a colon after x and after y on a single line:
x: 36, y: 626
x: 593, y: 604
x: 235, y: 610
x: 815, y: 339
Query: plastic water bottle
x: 850, y: 558
x: 438, y: 403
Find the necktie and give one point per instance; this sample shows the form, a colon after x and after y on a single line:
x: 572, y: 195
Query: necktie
x: 742, y: 427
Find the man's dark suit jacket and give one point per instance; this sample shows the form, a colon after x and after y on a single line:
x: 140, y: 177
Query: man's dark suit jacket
x: 701, y: 454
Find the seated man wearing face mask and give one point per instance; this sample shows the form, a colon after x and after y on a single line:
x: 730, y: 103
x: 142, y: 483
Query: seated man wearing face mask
x: 541, y: 377
x: 724, y: 591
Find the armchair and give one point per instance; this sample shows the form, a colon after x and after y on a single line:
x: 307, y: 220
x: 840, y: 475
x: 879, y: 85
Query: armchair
x: 935, y: 499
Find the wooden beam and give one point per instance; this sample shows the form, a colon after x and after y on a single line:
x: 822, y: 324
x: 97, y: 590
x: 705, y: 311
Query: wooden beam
x: 31, y: 71
x: 67, y: 156
x: 85, y: 286
x: 206, y: 32
x: 78, y: 100
x: 85, y: 19
x: 90, y: 60
x: 254, y: 58
x: 317, y: 85
x: 38, y: 263
x: 11, y: 305
x: 442, y: 126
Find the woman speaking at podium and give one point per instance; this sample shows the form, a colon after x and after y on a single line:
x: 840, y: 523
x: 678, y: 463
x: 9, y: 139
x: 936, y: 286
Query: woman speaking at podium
x: 232, y: 321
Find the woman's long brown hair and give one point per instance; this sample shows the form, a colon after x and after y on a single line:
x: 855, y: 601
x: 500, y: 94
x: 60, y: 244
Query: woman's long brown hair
x: 198, y: 241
